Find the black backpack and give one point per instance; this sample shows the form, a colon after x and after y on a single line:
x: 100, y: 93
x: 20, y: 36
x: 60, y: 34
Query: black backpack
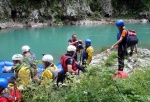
x: 132, y: 38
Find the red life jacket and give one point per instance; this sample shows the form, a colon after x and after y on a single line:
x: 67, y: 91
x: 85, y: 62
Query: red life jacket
x: 15, y: 95
x: 63, y: 62
x: 131, y: 33
x: 120, y: 75
x: 4, y: 99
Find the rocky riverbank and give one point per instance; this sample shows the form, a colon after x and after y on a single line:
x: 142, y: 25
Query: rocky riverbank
x: 132, y: 63
x: 48, y: 23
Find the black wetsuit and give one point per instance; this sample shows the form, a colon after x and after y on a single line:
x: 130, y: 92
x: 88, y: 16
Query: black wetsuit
x: 122, y: 51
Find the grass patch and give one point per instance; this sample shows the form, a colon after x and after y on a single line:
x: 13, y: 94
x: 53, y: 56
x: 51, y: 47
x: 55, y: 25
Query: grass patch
x: 110, y: 61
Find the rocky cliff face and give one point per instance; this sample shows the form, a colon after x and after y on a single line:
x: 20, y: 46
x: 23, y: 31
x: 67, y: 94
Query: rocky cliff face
x: 73, y: 10
x: 4, y: 9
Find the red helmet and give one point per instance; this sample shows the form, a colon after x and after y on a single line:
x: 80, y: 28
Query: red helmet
x: 120, y: 75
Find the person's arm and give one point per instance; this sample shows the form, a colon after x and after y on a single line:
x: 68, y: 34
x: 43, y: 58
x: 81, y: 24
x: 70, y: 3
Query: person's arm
x: 121, y: 38
x: 69, y: 67
x: 123, y: 34
x: 72, y: 43
x: 69, y: 63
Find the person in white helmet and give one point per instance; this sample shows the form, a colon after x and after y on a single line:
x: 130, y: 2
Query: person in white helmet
x: 50, y: 70
x: 26, y: 52
x: 21, y: 70
x: 68, y: 63
x: 29, y: 58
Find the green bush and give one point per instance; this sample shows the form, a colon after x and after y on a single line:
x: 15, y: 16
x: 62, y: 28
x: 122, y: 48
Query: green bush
x: 96, y: 85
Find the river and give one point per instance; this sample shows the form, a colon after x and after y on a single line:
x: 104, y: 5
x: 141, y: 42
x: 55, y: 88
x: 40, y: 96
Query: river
x: 54, y: 39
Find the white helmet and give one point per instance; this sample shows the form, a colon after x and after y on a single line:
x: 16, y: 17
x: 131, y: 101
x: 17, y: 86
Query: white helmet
x: 25, y: 48
x: 71, y: 48
x: 47, y: 58
x: 17, y: 57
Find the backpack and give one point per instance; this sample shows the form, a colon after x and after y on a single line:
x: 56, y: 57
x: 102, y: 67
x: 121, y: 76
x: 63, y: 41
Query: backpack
x: 132, y: 38
x: 4, y: 99
x: 15, y: 95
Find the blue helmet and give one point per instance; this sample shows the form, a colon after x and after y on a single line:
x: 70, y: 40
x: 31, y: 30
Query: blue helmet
x: 3, y: 82
x: 88, y: 41
x: 120, y: 23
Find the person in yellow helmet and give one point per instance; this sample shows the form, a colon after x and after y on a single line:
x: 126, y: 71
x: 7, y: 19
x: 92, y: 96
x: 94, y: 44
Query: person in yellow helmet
x: 88, y: 53
x: 21, y: 70
x: 50, y: 70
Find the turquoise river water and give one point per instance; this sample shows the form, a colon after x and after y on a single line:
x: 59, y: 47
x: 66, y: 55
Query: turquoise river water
x: 54, y: 39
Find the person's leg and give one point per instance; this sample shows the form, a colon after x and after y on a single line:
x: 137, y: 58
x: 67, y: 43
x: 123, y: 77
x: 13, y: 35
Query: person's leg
x: 75, y: 56
x: 84, y: 58
x: 61, y: 77
x: 120, y: 58
x: 131, y: 52
x: 135, y: 47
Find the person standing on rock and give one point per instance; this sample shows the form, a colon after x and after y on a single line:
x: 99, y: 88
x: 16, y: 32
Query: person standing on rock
x: 88, y: 53
x: 121, y: 43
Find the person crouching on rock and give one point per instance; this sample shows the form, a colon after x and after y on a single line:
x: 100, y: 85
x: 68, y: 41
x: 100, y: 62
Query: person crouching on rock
x: 68, y: 64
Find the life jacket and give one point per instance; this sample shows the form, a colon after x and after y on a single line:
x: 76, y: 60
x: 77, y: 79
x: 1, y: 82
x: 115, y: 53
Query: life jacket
x: 4, y: 99
x: 63, y: 62
x: 89, y: 50
x: 130, y: 39
x: 124, y: 41
x: 15, y: 95
x: 25, y: 75
x: 53, y: 70
x: 120, y: 75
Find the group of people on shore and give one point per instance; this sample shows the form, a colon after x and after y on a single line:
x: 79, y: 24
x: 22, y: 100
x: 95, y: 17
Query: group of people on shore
x: 25, y: 69
x: 25, y: 66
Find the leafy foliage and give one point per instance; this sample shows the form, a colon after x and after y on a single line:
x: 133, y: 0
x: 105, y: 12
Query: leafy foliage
x: 96, y: 85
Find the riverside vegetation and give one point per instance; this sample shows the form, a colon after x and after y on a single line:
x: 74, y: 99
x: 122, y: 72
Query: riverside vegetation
x: 97, y: 85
